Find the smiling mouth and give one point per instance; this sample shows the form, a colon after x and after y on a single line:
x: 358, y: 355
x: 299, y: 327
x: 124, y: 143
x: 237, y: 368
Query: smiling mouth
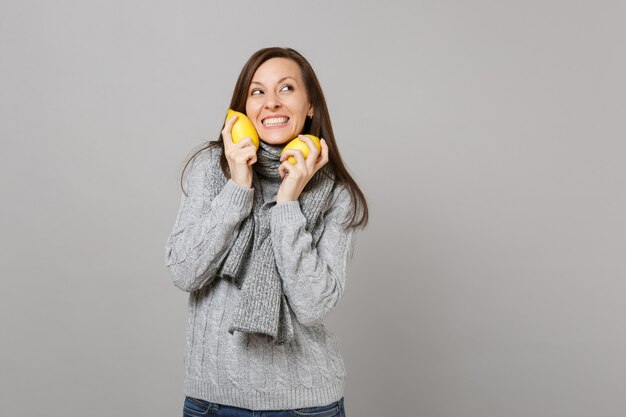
x: 275, y: 121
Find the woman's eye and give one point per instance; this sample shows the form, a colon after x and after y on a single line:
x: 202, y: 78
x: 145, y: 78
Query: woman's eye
x: 256, y: 91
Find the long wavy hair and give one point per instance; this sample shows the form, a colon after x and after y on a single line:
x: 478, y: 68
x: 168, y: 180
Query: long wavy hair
x: 319, y: 125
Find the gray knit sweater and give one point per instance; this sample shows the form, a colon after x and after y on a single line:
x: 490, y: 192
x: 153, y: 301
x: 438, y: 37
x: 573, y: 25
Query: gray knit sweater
x: 247, y: 370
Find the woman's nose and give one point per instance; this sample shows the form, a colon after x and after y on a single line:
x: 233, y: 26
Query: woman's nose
x: 271, y: 101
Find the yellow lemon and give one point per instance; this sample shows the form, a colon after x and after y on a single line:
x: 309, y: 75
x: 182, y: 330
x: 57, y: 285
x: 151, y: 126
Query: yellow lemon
x: 300, y: 144
x: 243, y: 127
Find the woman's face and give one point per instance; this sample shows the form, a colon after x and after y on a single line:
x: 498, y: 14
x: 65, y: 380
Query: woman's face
x: 277, y: 103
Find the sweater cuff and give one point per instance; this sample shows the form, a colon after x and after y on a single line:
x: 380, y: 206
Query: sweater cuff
x: 287, y: 212
x: 238, y: 196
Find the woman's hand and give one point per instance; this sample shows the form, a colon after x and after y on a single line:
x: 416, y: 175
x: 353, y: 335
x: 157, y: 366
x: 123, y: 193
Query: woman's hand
x: 240, y: 155
x: 296, y: 177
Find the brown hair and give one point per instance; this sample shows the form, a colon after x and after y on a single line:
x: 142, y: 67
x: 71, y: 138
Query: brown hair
x: 319, y: 125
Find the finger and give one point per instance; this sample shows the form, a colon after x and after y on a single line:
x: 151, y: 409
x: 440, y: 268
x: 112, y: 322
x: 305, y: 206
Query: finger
x: 228, y: 127
x: 325, y: 151
x: 296, y: 153
x: 300, y: 158
x: 230, y: 122
x: 247, y: 141
x: 241, y: 156
x: 287, y: 167
x: 253, y: 159
x: 284, y: 168
x: 287, y: 153
x: 313, y: 151
x: 323, y: 157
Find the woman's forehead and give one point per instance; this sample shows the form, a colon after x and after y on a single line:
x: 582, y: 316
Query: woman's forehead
x: 276, y: 70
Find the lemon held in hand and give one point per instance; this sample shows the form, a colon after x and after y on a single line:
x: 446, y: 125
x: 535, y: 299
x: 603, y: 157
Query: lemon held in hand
x: 300, y: 144
x: 243, y: 127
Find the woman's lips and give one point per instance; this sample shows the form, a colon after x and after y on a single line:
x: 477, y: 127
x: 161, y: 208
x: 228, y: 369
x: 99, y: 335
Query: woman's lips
x: 278, y: 120
x: 275, y: 125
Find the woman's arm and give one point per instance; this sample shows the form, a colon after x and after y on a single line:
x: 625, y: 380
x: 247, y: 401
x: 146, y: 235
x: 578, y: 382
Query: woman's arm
x: 313, y: 278
x: 205, y: 230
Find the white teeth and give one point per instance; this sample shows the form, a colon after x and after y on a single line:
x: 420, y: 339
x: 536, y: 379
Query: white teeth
x: 273, y: 121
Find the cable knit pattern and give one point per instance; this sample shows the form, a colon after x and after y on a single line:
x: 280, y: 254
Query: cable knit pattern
x: 248, y: 370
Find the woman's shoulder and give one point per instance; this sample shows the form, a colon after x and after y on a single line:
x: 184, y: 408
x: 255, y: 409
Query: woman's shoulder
x: 202, y: 162
x: 340, y: 201
x: 205, y: 157
x: 340, y: 190
x: 211, y: 151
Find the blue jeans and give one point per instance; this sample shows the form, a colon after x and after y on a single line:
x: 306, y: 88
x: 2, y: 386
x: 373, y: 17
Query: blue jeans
x: 195, y: 407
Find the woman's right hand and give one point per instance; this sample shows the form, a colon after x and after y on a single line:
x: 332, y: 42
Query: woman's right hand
x: 240, y: 155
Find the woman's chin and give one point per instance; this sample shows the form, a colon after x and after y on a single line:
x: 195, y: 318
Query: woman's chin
x: 275, y: 139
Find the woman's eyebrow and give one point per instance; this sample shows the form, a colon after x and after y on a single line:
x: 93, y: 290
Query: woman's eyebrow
x: 279, y: 81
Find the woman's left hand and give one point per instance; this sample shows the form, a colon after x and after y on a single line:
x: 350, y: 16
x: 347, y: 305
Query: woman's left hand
x: 296, y: 177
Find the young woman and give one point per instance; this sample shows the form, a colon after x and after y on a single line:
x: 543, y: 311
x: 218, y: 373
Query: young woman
x: 263, y: 246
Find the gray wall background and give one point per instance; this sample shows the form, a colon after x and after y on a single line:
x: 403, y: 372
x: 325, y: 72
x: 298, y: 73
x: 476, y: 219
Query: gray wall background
x: 488, y: 137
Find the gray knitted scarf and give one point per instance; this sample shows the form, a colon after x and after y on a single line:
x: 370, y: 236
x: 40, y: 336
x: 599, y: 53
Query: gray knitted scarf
x: 263, y: 307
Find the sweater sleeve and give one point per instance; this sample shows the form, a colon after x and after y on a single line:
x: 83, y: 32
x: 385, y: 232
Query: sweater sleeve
x: 204, y: 230
x: 313, y: 278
